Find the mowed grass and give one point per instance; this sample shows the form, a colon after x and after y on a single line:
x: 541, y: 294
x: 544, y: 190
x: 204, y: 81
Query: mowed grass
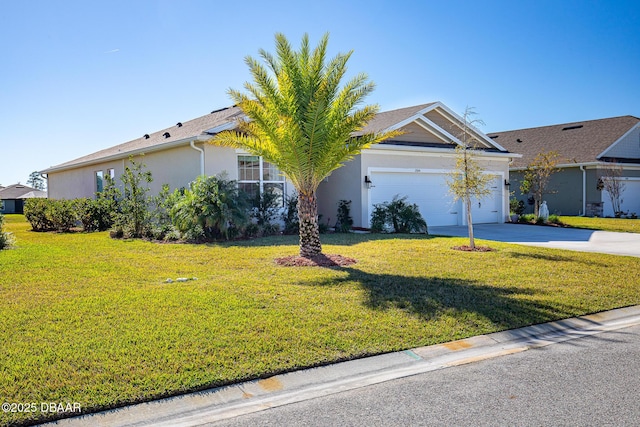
x: 87, y: 319
x: 605, y: 224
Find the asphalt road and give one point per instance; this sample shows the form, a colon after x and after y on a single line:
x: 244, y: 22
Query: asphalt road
x: 592, y: 381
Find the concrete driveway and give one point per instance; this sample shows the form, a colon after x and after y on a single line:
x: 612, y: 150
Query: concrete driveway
x: 575, y: 239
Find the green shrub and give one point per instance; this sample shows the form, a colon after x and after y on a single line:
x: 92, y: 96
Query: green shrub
x: 527, y: 218
x: 397, y: 216
x: 132, y: 217
x: 161, y: 227
x: 290, y: 215
x: 6, y: 239
x: 62, y: 214
x: 95, y: 214
x: 264, y: 210
x: 554, y: 219
x: 344, y: 222
x: 211, y: 209
x: 35, y: 211
x: 516, y: 206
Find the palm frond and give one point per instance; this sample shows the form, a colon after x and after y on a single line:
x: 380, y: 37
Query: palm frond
x: 301, y: 118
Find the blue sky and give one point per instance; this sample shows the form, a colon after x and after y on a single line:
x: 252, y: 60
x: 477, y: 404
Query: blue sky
x: 79, y: 76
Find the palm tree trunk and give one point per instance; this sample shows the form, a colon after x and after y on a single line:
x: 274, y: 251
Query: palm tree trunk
x: 309, y: 231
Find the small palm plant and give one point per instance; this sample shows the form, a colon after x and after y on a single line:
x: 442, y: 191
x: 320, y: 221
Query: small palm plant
x: 300, y: 119
x: 211, y: 209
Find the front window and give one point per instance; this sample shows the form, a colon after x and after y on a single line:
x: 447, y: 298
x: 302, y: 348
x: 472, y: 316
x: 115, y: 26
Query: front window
x: 255, y: 176
x: 99, y: 181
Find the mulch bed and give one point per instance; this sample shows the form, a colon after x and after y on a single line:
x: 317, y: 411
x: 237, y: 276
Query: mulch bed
x: 470, y: 249
x: 322, y: 260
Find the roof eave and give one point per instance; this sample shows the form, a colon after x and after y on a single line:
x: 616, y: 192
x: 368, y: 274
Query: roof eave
x: 391, y: 147
x: 127, y: 154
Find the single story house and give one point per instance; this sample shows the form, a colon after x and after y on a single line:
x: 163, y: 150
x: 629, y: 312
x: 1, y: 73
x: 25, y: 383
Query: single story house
x: 12, y: 197
x: 585, y: 151
x: 414, y: 164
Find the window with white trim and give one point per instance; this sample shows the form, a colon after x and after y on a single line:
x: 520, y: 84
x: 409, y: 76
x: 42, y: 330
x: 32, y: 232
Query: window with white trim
x: 255, y: 175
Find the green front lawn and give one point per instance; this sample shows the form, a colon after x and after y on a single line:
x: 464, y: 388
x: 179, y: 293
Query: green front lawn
x: 606, y: 224
x: 88, y: 319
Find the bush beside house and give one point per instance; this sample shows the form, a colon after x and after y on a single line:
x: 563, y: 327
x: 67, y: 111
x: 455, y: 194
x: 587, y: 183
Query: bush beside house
x: 6, y: 239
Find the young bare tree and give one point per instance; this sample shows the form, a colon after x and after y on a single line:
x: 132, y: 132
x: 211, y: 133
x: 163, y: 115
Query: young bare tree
x: 468, y: 180
x: 537, y: 176
x: 611, y: 182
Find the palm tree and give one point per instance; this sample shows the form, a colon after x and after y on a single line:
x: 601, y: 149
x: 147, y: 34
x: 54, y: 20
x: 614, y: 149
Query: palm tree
x: 300, y: 119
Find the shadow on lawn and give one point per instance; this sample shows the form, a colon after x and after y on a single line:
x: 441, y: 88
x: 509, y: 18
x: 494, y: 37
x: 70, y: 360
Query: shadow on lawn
x: 556, y: 258
x: 432, y: 297
x: 339, y: 239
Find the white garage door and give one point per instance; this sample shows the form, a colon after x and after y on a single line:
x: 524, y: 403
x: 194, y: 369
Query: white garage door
x: 428, y: 191
x: 630, y: 198
x: 489, y: 209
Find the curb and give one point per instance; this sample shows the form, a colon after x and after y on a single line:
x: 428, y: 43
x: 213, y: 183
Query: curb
x: 238, y: 399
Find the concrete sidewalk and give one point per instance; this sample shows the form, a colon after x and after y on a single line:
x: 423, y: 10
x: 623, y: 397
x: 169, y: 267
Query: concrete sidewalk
x: 575, y: 239
x: 253, y: 396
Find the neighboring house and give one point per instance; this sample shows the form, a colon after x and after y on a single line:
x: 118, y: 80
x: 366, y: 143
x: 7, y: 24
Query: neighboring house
x: 585, y: 150
x: 13, y: 197
x: 414, y: 164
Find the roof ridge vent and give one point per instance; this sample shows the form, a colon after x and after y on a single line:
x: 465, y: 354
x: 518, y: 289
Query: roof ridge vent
x: 220, y: 109
x: 179, y: 124
x: 166, y: 134
x: 572, y: 127
x: 146, y: 136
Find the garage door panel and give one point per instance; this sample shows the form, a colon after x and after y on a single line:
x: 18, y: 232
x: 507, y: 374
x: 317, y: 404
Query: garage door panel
x: 431, y: 193
x: 630, y: 199
x: 428, y: 191
x: 488, y: 209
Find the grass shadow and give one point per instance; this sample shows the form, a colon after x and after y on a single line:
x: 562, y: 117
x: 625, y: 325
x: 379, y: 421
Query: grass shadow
x: 431, y: 297
x: 340, y: 239
x: 553, y: 258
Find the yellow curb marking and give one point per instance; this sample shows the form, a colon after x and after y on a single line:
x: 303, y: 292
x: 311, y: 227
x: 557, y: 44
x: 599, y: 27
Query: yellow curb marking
x: 487, y: 356
x: 457, y: 345
x: 270, y: 384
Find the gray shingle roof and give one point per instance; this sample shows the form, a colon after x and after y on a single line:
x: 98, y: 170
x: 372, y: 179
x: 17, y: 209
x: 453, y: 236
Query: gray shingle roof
x: 178, y: 132
x: 20, y: 191
x: 386, y: 119
x: 578, y: 142
x: 181, y: 133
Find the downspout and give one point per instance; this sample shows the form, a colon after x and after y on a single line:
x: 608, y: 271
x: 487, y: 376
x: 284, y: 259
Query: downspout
x: 193, y: 145
x: 584, y: 191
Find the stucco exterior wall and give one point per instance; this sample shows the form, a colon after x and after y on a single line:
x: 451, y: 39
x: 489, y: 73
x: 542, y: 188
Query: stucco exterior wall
x: 567, y: 186
x: 345, y: 183
x: 8, y: 206
x: 220, y: 160
x: 176, y: 167
x: 79, y: 182
x: 565, y: 192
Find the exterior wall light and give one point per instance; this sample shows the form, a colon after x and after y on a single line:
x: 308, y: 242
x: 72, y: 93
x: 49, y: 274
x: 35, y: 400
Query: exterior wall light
x: 367, y: 181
